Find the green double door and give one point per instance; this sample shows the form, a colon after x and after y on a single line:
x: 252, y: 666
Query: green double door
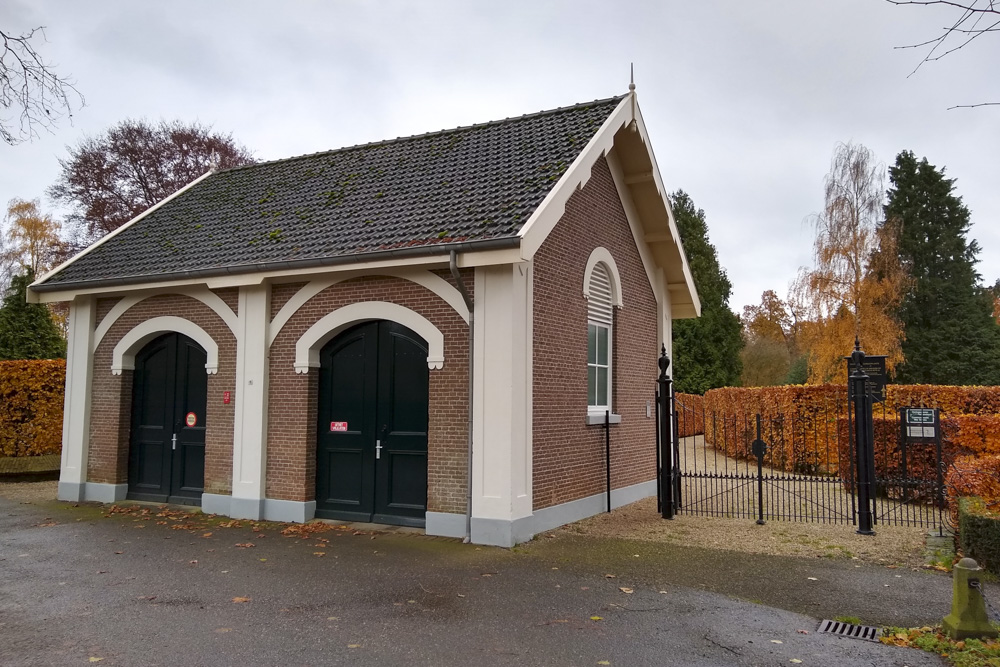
x: 167, y: 445
x: 371, y: 445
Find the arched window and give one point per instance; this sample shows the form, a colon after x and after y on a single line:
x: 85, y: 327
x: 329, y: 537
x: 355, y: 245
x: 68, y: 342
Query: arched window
x: 600, y: 320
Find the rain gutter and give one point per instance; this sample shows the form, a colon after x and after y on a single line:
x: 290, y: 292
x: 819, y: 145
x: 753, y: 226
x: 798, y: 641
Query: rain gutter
x: 286, y: 265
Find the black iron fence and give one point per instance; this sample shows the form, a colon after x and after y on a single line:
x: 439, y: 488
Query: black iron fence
x: 801, y: 466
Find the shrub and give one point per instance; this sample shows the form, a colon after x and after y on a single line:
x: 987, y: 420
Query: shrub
x: 806, y: 427
x: 31, y: 407
x: 690, y: 414
x: 979, y: 532
x: 977, y: 476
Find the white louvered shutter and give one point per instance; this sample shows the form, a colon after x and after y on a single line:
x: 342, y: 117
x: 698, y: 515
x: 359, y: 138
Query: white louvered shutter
x: 599, y: 308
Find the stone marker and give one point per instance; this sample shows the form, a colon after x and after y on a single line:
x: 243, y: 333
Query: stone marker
x: 968, y: 616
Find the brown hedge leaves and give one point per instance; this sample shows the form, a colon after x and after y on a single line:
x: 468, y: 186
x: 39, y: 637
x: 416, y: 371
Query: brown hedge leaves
x: 31, y: 407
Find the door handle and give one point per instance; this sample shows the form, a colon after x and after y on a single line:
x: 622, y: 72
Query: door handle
x: 173, y: 441
x: 378, y: 449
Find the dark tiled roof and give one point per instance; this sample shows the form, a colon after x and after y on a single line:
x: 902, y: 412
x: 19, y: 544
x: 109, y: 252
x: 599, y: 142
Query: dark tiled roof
x: 470, y: 184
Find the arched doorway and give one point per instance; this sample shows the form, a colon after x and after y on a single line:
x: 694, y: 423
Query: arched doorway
x: 371, y: 444
x: 167, y: 443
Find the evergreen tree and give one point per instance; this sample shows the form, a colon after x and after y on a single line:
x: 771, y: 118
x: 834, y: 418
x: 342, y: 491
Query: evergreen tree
x: 26, y: 329
x: 706, y: 349
x: 951, y: 336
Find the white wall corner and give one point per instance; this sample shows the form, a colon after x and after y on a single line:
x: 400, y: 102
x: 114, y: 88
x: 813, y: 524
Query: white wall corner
x: 77, y: 400
x: 501, y: 481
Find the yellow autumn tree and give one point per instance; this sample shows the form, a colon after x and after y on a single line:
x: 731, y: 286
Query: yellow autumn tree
x: 855, y: 287
x: 32, y: 237
x: 30, y: 242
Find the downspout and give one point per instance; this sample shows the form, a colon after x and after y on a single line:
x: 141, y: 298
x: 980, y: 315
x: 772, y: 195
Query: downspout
x: 453, y: 265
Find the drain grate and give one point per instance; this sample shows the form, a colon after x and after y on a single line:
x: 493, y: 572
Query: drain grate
x: 866, y: 632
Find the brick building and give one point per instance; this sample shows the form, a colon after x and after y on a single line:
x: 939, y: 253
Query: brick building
x: 426, y: 331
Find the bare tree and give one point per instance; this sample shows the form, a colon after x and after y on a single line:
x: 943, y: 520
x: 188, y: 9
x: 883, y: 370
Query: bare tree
x: 854, y: 288
x: 109, y: 179
x: 975, y: 18
x: 32, y: 95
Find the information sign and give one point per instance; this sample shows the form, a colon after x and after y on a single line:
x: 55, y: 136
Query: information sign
x: 874, y: 368
x: 338, y: 427
x: 919, y: 424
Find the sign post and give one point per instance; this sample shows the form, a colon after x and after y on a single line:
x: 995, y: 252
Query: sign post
x: 861, y: 400
x: 874, y: 367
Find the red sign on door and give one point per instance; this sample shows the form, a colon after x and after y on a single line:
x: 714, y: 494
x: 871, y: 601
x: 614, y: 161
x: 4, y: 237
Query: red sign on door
x: 338, y: 426
x: 225, y: 397
x: 191, y: 419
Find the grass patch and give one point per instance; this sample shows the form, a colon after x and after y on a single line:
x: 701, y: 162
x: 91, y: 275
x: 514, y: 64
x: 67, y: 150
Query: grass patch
x: 960, y: 653
x: 852, y: 620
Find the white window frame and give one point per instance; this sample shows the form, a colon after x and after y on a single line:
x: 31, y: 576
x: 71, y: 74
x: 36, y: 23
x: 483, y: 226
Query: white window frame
x: 602, y: 317
x: 600, y: 408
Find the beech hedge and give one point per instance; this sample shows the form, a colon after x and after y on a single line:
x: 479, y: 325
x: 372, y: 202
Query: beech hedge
x: 31, y: 407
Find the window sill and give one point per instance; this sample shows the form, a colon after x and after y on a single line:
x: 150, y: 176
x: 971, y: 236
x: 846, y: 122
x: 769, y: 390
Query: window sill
x: 598, y: 419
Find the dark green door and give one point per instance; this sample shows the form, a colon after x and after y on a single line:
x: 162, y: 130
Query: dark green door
x: 167, y: 446
x: 371, y: 446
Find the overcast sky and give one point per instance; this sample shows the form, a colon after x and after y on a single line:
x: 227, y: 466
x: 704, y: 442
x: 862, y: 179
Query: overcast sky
x: 744, y: 101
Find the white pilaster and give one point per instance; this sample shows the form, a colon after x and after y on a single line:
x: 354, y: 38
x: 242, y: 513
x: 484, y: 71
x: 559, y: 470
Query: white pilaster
x: 250, y: 421
x: 76, y: 405
x: 501, y: 481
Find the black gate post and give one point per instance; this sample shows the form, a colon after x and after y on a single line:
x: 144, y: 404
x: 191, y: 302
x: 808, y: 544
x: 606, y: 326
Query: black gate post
x: 668, y: 463
x: 759, y: 450
x: 864, y: 447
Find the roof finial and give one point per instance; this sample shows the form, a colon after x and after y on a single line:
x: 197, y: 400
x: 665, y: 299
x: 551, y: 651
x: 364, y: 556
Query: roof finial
x: 631, y: 93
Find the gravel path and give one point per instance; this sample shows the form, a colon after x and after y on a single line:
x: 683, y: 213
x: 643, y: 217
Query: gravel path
x: 727, y: 530
x: 727, y: 488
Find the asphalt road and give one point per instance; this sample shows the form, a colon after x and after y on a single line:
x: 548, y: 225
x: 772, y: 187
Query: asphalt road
x: 78, y: 587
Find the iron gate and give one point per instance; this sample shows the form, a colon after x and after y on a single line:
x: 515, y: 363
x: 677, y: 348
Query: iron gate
x: 800, y: 467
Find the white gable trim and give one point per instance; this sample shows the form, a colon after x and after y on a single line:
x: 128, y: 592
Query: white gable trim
x: 123, y: 357
x: 603, y: 255
x: 602, y: 144
x: 307, y: 348
x: 121, y: 229
x: 648, y: 263
x: 544, y: 218
x: 207, y: 297
x: 431, y: 281
x: 674, y: 232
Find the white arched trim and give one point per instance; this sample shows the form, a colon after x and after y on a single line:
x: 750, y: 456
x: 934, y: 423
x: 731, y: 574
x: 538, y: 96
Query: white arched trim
x: 206, y: 296
x: 602, y: 255
x: 312, y: 341
x: 431, y: 281
x: 123, y: 357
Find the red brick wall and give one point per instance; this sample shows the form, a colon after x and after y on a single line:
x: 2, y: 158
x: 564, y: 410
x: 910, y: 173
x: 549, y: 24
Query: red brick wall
x: 568, y: 455
x: 291, y: 439
x: 110, y: 420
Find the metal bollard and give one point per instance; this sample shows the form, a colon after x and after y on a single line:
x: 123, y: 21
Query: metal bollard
x: 968, y: 617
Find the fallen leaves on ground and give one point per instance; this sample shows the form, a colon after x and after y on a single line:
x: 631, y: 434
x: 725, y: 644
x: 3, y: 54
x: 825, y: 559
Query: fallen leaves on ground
x: 626, y: 589
x: 245, y: 545
x: 304, y: 530
x: 958, y: 652
x: 240, y: 600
